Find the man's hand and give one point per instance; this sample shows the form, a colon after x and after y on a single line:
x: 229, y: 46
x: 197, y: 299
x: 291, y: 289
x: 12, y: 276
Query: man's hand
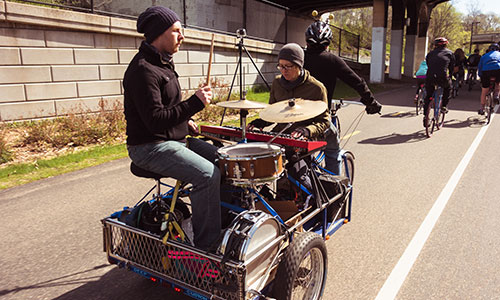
x: 205, y: 94
x: 193, y: 128
x: 258, y: 123
x: 301, y: 133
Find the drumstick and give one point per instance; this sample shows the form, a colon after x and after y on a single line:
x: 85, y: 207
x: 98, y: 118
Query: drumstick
x: 217, y: 139
x: 210, y: 59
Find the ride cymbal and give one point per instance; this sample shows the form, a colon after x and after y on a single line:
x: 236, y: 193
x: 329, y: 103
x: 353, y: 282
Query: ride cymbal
x: 242, y: 104
x: 292, y: 110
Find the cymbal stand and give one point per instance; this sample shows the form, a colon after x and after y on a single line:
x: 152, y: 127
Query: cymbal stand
x: 241, y: 34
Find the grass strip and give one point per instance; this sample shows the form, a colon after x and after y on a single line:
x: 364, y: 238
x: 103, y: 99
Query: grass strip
x: 19, y: 174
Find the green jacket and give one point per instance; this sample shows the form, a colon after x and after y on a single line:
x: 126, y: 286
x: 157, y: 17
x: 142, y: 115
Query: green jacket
x: 309, y: 89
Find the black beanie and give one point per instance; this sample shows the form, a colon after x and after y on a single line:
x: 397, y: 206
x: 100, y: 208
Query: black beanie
x: 155, y: 20
x: 293, y: 53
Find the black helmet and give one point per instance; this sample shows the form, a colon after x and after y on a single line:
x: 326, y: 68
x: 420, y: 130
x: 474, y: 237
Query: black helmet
x: 319, y: 33
x: 440, y: 42
x: 494, y: 47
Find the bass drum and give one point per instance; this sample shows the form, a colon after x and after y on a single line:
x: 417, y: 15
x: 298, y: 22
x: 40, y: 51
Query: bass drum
x: 249, y: 233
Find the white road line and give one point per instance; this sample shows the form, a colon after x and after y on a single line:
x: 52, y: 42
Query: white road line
x: 398, y: 275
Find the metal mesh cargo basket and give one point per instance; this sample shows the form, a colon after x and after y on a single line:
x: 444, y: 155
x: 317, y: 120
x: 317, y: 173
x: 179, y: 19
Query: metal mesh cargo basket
x: 174, y: 262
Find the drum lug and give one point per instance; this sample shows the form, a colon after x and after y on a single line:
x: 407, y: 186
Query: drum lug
x: 276, y: 167
x: 225, y: 169
x: 252, y: 170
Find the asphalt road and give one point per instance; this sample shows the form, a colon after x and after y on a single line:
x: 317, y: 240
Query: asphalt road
x: 52, y: 238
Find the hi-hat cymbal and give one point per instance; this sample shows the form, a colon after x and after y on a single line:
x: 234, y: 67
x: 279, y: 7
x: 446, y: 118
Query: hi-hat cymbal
x: 242, y: 104
x: 292, y: 110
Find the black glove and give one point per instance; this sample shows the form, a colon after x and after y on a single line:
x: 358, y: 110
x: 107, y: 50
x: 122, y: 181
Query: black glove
x: 372, y: 105
x: 259, y: 123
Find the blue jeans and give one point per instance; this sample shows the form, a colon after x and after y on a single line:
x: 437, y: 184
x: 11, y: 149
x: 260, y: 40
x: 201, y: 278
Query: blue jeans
x: 193, y: 163
x: 332, y: 150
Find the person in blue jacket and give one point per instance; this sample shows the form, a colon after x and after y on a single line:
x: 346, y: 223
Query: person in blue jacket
x: 489, y: 67
x: 421, y: 74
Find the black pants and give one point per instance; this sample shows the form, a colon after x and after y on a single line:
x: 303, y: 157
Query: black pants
x: 430, y: 81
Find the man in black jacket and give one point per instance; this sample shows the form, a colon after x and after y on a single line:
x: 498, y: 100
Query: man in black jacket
x: 327, y: 67
x: 440, y: 62
x: 158, y: 121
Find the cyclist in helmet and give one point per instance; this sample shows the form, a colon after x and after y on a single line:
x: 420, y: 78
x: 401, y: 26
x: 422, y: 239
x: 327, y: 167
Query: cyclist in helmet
x: 489, y: 66
x: 440, y: 62
x: 473, y: 61
x: 327, y: 67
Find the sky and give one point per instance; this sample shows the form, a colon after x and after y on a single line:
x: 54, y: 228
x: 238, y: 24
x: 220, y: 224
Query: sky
x: 485, y: 6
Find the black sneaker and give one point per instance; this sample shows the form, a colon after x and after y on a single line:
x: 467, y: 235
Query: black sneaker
x: 444, y: 110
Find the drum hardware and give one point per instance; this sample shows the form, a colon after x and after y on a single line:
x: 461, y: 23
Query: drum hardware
x: 241, y: 33
x: 293, y: 110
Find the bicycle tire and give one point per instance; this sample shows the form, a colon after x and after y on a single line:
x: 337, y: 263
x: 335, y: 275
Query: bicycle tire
x: 429, y: 126
x: 441, y: 119
x: 420, y: 101
x: 488, y: 109
x: 349, y: 161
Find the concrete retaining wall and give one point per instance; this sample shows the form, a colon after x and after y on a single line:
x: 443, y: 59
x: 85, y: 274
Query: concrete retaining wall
x: 53, y: 62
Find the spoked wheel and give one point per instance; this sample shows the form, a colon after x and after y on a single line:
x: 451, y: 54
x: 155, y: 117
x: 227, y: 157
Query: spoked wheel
x: 440, y: 119
x: 488, y: 109
x: 302, y: 271
x: 429, y: 126
x: 348, y: 166
x: 419, y: 106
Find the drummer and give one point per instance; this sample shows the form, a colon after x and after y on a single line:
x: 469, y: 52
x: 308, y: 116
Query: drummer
x: 158, y: 121
x: 296, y: 82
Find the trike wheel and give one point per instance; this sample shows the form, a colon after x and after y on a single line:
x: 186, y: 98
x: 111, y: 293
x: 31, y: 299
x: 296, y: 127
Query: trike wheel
x: 348, y: 166
x: 302, y: 271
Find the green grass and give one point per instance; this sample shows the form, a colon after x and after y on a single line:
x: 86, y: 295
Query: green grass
x: 17, y: 174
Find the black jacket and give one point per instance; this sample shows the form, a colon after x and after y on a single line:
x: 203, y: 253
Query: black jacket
x: 327, y: 67
x: 440, y: 63
x: 152, y: 99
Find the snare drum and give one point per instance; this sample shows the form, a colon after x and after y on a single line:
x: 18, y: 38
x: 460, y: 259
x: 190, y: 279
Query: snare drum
x: 248, y: 234
x: 250, y: 163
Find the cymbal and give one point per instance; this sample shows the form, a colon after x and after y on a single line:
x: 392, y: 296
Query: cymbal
x: 292, y: 110
x: 242, y: 104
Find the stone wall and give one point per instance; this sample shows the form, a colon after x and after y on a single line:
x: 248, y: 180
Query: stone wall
x: 54, y: 62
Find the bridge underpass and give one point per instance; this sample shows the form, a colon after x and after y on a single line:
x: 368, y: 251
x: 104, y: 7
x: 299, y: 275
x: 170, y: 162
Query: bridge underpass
x: 412, y: 15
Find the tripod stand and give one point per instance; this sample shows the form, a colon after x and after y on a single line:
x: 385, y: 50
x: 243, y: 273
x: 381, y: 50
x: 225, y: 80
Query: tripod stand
x: 241, y: 34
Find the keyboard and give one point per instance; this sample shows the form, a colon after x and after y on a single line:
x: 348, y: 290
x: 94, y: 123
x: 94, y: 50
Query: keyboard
x: 236, y: 134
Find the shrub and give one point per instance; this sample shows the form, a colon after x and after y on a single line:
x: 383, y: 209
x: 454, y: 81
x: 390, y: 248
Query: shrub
x: 5, y: 153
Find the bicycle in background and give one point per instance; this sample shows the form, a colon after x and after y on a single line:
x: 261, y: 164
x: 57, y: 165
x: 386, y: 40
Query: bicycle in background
x: 455, y: 86
x: 419, y: 103
x: 471, y: 77
x: 490, y: 102
x: 435, y: 115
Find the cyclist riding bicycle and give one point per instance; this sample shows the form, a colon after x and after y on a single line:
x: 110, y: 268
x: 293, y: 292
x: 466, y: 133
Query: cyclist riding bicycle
x: 489, y: 66
x: 473, y: 61
x: 440, y: 62
x: 421, y: 74
x: 460, y: 65
x: 327, y: 67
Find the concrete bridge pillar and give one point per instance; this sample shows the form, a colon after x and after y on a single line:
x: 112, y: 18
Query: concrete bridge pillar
x: 422, y: 42
x: 397, y: 27
x: 379, y: 33
x: 411, y: 38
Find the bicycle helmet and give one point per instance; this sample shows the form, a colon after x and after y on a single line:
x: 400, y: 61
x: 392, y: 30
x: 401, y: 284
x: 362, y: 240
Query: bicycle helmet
x: 494, y: 47
x: 440, y: 42
x: 319, y: 33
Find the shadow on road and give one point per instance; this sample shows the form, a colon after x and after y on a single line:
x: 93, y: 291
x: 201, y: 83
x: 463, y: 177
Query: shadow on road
x: 396, y: 138
x: 124, y: 285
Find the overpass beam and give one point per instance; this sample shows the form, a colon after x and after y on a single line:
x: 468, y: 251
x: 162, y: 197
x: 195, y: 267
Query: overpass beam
x: 379, y: 33
x: 397, y: 27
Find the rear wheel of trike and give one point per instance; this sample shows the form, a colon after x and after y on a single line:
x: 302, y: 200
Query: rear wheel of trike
x: 302, y: 271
